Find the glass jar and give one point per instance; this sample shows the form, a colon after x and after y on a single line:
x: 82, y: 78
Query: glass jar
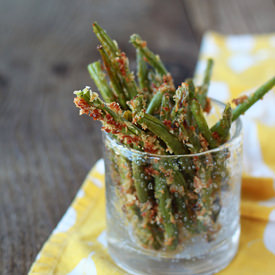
x: 174, y: 214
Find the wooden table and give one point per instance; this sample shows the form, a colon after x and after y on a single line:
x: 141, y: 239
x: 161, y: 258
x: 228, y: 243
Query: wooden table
x: 46, y: 149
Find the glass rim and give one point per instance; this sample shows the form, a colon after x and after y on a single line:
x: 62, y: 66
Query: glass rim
x: 231, y: 141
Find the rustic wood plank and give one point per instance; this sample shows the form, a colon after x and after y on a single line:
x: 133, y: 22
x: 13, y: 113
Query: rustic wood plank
x: 46, y: 149
x: 235, y: 16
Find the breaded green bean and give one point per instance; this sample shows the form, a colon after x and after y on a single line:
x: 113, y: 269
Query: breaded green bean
x: 202, y: 124
x: 151, y: 58
x: 101, y: 83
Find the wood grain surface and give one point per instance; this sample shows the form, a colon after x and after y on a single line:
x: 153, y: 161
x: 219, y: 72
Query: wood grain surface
x: 46, y: 149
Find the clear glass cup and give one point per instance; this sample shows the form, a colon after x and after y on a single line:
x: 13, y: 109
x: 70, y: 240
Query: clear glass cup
x: 174, y: 214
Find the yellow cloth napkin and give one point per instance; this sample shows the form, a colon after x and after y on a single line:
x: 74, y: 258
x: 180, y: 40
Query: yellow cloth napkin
x: 78, y: 244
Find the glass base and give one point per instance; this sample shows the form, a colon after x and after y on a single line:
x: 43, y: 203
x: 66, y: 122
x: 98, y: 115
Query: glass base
x: 137, y: 263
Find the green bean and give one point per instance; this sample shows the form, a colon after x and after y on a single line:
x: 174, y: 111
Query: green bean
x: 258, y: 94
x: 156, y: 63
x: 243, y: 107
x: 159, y: 129
x: 140, y: 183
x: 119, y: 126
x: 108, y: 44
x: 142, y: 71
x: 224, y: 125
x: 202, y: 92
x: 155, y: 103
x: 202, y: 124
x: 93, y: 100
x: 151, y: 58
x: 118, y: 61
x: 100, y: 81
x: 191, y: 88
x: 190, y: 97
x: 165, y: 209
x: 208, y: 72
x: 116, y: 85
x: 183, y: 115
